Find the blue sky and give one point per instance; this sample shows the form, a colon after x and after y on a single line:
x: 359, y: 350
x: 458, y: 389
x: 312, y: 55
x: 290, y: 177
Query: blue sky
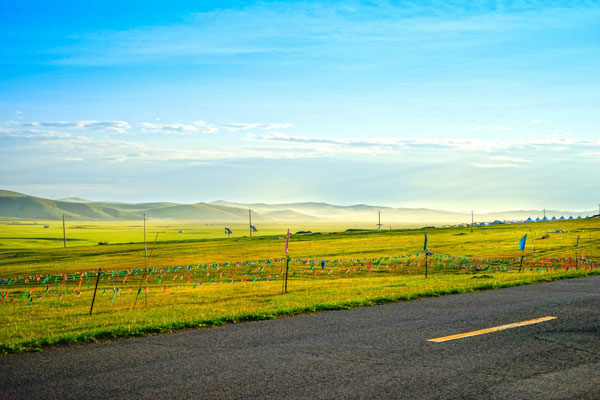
x: 490, y: 105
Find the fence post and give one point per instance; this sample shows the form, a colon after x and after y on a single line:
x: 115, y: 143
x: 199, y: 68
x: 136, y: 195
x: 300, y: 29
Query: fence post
x: 95, y: 290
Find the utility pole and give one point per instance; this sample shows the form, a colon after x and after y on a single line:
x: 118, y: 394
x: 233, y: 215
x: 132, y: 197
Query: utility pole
x: 250, y: 221
x: 379, y: 223
x: 145, y: 266
x: 471, y: 221
x: 64, y: 234
x: 145, y: 249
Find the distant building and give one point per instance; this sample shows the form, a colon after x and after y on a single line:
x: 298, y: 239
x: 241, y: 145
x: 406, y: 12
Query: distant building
x: 528, y: 220
x: 180, y: 231
x: 46, y: 226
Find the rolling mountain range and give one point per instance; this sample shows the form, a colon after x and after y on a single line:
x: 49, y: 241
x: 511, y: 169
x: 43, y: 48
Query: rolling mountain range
x: 15, y: 205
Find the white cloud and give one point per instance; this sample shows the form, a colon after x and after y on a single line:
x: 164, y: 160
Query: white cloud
x: 156, y: 127
x: 536, y: 121
x: 513, y: 159
x: 592, y: 154
x: 153, y: 154
x: 236, y: 127
x: 467, y: 144
x: 108, y: 126
x: 507, y: 165
x: 31, y: 133
x: 273, y: 144
x: 178, y: 128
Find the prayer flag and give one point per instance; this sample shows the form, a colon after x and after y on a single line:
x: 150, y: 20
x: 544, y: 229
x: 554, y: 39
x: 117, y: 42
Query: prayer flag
x: 522, y: 242
x: 287, y: 241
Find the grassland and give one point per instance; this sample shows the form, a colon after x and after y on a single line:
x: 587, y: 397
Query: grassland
x: 199, y: 278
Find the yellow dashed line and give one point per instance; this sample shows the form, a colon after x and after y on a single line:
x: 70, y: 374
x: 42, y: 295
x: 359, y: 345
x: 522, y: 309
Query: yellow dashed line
x: 493, y: 329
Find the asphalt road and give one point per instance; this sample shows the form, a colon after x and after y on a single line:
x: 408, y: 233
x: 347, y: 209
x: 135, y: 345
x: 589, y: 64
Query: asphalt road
x: 374, y: 352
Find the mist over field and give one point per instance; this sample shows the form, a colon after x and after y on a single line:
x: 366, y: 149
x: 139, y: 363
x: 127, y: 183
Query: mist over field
x: 19, y: 206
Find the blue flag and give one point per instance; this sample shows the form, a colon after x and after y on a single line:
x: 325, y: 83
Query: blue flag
x: 425, y: 245
x: 522, y: 242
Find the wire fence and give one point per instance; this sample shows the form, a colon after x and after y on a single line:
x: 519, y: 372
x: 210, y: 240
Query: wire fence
x: 35, y: 288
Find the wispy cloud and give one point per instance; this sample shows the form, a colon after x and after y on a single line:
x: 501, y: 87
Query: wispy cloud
x: 178, y: 128
x: 503, y: 162
x: 506, y: 165
x: 74, y: 140
x: 109, y: 126
x: 513, y: 159
x: 300, y: 28
x: 473, y: 145
x: 236, y: 127
x: 155, y: 127
x: 153, y: 154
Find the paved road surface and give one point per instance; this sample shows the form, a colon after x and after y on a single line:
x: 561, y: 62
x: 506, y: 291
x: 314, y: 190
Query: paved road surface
x: 375, y: 352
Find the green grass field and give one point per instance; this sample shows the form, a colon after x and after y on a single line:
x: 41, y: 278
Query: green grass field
x: 199, y: 278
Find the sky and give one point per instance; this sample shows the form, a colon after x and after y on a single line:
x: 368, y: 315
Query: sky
x: 486, y: 105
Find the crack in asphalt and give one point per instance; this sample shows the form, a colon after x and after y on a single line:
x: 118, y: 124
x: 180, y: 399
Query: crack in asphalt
x: 566, y: 346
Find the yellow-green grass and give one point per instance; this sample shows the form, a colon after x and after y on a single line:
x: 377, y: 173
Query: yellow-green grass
x: 48, y: 315
x: 494, y: 241
x: 33, y: 234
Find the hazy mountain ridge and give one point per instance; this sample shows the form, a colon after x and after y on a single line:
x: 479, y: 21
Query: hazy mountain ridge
x: 18, y: 205
x: 21, y: 206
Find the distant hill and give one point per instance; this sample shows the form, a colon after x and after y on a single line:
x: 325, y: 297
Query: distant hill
x: 18, y: 205
x: 134, y: 207
x: 288, y: 215
x: 357, y: 212
x: 15, y: 205
x: 203, y: 211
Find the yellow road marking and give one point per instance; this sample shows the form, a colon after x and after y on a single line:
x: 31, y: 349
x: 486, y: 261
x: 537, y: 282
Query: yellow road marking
x: 493, y: 329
